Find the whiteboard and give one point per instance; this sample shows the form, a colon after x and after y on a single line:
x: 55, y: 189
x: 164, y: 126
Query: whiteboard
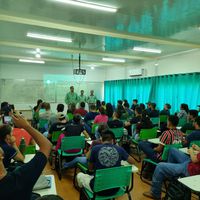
x: 19, y: 91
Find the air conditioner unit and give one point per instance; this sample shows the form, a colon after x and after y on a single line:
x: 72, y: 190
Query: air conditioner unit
x: 136, y: 72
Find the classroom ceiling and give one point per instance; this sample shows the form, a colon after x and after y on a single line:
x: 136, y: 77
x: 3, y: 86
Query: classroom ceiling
x: 172, y: 26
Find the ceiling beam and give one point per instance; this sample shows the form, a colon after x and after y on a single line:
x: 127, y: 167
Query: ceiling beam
x: 87, y: 29
x: 74, y: 50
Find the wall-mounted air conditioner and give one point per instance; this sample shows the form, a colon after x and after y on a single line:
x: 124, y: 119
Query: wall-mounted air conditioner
x: 136, y: 72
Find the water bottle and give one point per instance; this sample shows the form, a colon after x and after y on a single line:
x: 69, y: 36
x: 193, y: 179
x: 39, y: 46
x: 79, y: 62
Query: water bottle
x: 22, y: 146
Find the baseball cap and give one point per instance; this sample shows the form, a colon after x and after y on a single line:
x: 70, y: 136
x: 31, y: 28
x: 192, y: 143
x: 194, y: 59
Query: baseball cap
x: 60, y: 116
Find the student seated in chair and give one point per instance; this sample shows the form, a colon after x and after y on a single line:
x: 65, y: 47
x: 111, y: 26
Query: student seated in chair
x: 73, y: 128
x: 115, y: 122
x: 166, y: 109
x: 8, y: 145
x: 19, y: 183
x: 195, y: 135
x: 58, y: 126
x: 81, y: 110
x: 171, y: 136
x: 179, y: 164
x: 153, y: 113
x: 192, y: 115
x: 105, y: 155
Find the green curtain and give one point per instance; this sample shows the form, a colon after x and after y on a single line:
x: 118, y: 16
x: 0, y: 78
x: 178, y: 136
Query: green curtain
x: 173, y: 89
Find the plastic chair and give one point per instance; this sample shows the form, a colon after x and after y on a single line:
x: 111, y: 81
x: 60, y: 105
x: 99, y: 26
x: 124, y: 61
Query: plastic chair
x: 188, y: 132
x: 55, y: 136
x: 118, y: 132
x: 43, y: 125
x: 145, y: 134
x: 69, y: 143
x: 163, y: 118
x: 182, y: 122
x: 155, y: 120
x: 70, y: 116
x: 115, y: 177
x: 197, y: 142
x: 164, y: 157
x: 30, y: 149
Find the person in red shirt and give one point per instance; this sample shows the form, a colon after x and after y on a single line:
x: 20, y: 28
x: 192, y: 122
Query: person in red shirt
x: 179, y: 164
x: 20, y: 133
x: 81, y: 111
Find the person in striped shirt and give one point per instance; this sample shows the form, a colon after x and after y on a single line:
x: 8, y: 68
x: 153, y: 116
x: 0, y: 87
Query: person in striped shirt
x: 170, y: 136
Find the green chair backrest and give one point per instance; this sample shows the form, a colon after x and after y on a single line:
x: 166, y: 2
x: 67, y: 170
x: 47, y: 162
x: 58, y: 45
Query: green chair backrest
x: 182, y: 122
x: 146, y: 134
x: 30, y: 149
x: 94, y: 126
x: 113, y: 177
x: 55, y: 136
x: 163, y: 118
x: 155, y: 120
x: 43, y: 123
x: 189, y: 131
x: 70, y: 116
x: 118, y: 132
x: 73, y: 142
x: 197, y: 142
x: 166, y: 149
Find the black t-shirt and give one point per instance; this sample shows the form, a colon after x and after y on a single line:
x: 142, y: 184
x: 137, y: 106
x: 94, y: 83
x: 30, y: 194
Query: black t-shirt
x: 73, y: 129
x: 58, y: 126
x: 115, y: 124
x: 154, y: 113
x: 19, y: 183
x: 135, y: 119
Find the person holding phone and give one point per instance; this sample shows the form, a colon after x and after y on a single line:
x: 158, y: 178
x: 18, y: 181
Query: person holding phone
x: 19, y: 183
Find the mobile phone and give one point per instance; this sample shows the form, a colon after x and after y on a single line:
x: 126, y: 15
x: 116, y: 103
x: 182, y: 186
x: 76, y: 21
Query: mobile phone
x: 7, y: 119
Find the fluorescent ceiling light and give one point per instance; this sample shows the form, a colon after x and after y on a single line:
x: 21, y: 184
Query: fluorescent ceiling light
x: 48, y: 37
x: 38, y: 50
x: 32, y: 61
x: 92, y: 68
x: 147, y: 50
x: 89, y: 5
x: 114, y: 60
x: 37, y: 55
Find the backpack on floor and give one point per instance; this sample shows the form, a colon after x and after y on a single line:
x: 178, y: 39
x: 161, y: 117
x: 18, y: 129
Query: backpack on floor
x: 177, y: 191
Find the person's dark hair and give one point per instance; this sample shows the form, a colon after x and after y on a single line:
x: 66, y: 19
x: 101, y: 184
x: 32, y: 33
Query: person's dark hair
x: 142, y: 106
x: 4, y: 104
x: 60, y: 107
x: 185, y: 107
x: 119, y: 102
x: 138, y: 110
x: 197, y: 120
x: 103, y: 103
x: 77, y: 118
x: 69, y: 111
x: 146, y: 121
x: 109, y: 110
x: 102, y: 127
x: 125, y: 101
x: 135, y: 100
x: 107, y: 135
x: 82, y: 104
x: 153, y: 105
x: 50, y: 197
x: 102, y: 110
x: 5, y: 108
x: 118, y: 114
x: 173, y: 119
x: 92, y: 107
x: 4, y: 131
x: 168, y: 106
x: 98, y: 104
x: 120, y: 108
x: 39, y: 101
x: 126, y: 105
x: 73, y: 107
x: 194, y: 113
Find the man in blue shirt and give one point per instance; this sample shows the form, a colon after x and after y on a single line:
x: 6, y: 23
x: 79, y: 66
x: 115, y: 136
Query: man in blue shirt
x: 105, y: 155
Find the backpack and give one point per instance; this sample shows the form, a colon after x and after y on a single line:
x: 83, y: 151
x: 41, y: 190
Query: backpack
x: 177, y: 191
x: 125, y: 142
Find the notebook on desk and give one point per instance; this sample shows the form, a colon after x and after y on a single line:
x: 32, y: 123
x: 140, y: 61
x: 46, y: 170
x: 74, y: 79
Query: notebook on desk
x: 42, y: 183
